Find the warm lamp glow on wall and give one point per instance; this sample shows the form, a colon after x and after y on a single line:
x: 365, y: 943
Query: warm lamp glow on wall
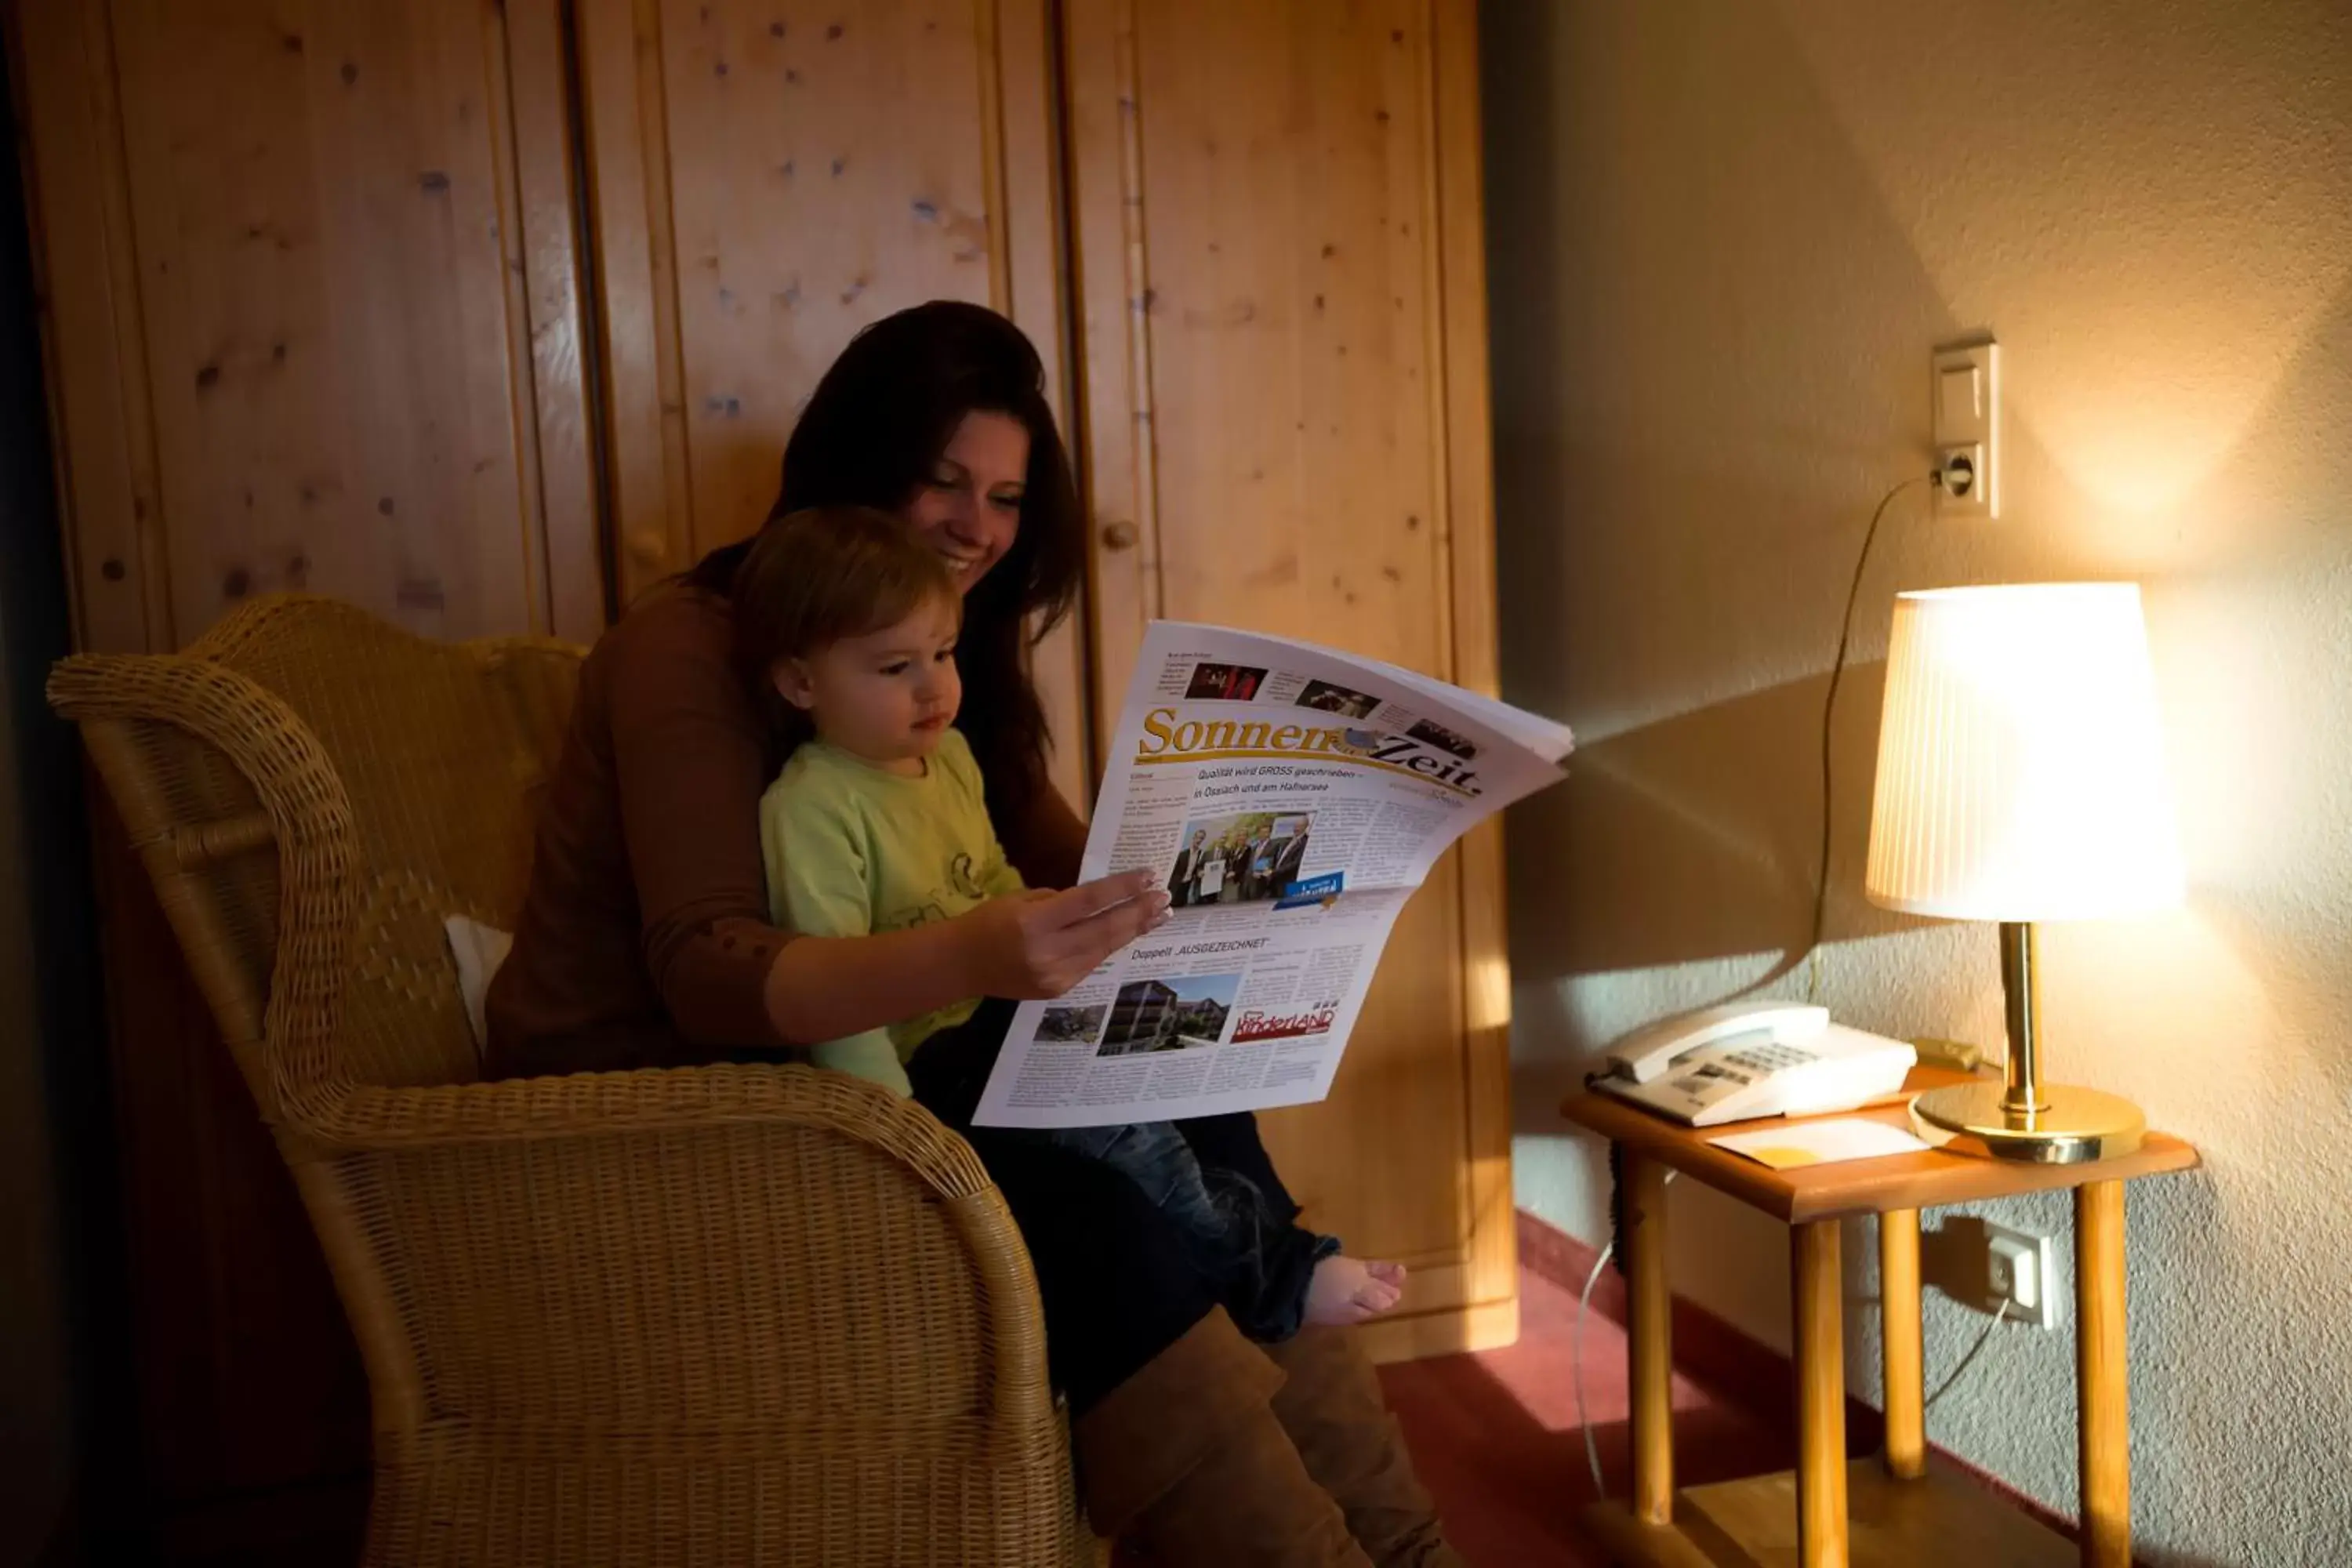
x: 2020, y: 779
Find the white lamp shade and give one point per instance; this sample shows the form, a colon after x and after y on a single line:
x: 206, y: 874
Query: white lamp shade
x: 2020, y: 763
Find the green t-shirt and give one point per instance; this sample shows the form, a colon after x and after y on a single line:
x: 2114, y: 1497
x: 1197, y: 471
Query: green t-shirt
x: 853, y: 850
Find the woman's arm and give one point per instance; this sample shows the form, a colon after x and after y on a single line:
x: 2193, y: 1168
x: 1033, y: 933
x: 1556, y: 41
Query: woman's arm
x: 688, y: 769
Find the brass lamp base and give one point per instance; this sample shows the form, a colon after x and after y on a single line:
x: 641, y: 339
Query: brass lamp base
x: 2073, y: 1124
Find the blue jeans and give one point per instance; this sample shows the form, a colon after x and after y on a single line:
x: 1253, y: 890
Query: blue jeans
x: 1223, y: 1226
x: 1259, y: 1261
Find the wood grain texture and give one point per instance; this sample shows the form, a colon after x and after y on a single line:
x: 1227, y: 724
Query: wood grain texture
x: 1945, y: 1520
x: 780, y: 175
x: 1650, y: 1369
x: 624, y: 155
x: 1285, y: 163
x: 311, y: 303
x: 1901, y: 1333
x: 1274, y: 227
x: 2103, y: 1375
x: 767, y: 179
x: 1631, y: 1540
x: 1817, y: 1325
x: 1456, y: 223
x: 541, y: 237
x: 1027, y: 190
x: 1853, y: 1187
x: 1111, y: 359
x: 94, y: 347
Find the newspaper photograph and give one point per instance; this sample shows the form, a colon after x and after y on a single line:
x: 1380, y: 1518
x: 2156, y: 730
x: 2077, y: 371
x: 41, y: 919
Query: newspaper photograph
x: 1290, y: 798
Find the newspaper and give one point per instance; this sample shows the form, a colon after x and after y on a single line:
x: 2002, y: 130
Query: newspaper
x: 1290, y: 798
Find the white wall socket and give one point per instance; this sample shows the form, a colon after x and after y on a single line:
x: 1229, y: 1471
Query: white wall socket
x: 1964, y: 394
x: 2022, y: 1269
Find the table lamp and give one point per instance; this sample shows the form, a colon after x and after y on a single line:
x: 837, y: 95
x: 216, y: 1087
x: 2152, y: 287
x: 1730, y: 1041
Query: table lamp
x: 2022, y: 779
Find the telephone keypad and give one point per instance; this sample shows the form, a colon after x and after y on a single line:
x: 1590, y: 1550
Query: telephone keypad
x: 1766, y: 1059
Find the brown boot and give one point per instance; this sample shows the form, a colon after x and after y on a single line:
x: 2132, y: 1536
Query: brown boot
x: 1331, y: 1406
x: 1186, y: 1460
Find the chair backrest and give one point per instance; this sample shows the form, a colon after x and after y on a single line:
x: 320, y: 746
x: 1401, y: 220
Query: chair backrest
x: 314, y: 791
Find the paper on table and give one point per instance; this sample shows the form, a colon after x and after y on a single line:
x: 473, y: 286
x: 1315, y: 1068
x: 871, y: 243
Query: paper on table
x: 1793, y: 1144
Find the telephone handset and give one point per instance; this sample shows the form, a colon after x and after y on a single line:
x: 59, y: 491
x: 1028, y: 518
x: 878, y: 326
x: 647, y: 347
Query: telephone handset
x: 1743, y: 1060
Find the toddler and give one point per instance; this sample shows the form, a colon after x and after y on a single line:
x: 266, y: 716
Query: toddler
x: 878, y: 822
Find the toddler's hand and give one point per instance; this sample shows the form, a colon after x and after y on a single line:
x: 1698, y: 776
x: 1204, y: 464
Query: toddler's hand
x: 1036, y: 945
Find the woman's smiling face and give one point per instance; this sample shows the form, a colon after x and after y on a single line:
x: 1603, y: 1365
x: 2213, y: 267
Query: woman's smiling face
x: 968, y: 505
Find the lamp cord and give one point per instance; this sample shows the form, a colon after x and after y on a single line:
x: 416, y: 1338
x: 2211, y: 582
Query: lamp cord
x: 1584, y: 1306
x: 1583, y: 1415
x: 1829, y: 711
x: 1967, y: 1361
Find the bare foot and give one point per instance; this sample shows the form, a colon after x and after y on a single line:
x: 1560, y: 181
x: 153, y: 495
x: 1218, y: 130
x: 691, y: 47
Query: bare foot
x: 1350, y: 1291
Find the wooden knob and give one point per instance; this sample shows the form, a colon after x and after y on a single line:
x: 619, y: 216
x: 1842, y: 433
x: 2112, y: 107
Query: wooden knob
x: 1119, y: 535
x: 649, y: 548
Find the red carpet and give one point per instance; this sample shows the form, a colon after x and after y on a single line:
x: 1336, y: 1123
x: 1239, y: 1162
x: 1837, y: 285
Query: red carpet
x: 1495, y: 1437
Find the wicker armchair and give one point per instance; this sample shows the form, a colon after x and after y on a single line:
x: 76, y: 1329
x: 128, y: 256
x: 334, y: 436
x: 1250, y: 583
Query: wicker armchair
x: 726, y: 1315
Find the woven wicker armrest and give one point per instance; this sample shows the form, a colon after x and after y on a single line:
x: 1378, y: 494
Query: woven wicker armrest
x: 674, y: 1243
x: 651, y: 1101
x: 769, y: 1282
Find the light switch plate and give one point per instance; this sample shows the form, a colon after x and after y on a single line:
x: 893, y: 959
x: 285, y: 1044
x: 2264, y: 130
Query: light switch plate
x: 1964, y: 404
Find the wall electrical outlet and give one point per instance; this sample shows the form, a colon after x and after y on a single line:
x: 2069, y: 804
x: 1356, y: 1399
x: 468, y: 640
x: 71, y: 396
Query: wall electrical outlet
x: 2022, y: 1269
x: 1964, y: 393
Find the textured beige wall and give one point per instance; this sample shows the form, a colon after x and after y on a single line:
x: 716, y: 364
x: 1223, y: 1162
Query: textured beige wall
x: 1724, y: 235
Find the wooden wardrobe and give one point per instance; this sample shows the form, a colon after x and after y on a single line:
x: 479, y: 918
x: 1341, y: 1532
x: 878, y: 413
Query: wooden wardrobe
x: 486, y: 313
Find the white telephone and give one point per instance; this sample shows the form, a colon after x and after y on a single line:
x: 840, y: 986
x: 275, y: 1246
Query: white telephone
x: 1748, y: 1059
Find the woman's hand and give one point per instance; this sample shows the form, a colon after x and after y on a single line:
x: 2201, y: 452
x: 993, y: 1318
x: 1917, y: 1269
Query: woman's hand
x: 1037, y: 945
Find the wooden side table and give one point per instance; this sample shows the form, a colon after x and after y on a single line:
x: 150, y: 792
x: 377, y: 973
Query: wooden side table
x: 1899, y: 1510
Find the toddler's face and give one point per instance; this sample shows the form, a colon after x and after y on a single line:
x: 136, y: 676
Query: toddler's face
x: 888, y: 696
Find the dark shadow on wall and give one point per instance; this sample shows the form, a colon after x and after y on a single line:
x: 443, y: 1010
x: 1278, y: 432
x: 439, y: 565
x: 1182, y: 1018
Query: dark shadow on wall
x: 1696, y: 838
x: 1525, y: 133
x: 1699, y: 836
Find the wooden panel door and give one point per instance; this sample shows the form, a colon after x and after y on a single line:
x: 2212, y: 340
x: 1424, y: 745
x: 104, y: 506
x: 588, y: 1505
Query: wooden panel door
x: 311, y: 318
x: 1276, y: 220
x: 771, y: 176
x: 312, y: 313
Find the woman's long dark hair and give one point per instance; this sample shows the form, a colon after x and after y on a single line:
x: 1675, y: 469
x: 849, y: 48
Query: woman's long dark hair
x: 872, y: 435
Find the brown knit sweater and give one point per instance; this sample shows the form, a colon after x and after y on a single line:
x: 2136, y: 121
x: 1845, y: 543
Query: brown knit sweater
x: 645, y: 940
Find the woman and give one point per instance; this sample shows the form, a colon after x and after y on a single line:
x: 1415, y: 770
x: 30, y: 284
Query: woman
x: 644, y: 942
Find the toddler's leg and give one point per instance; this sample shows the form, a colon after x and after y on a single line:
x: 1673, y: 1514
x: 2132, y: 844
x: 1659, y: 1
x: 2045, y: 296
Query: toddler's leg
x: 1155, y: 1157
